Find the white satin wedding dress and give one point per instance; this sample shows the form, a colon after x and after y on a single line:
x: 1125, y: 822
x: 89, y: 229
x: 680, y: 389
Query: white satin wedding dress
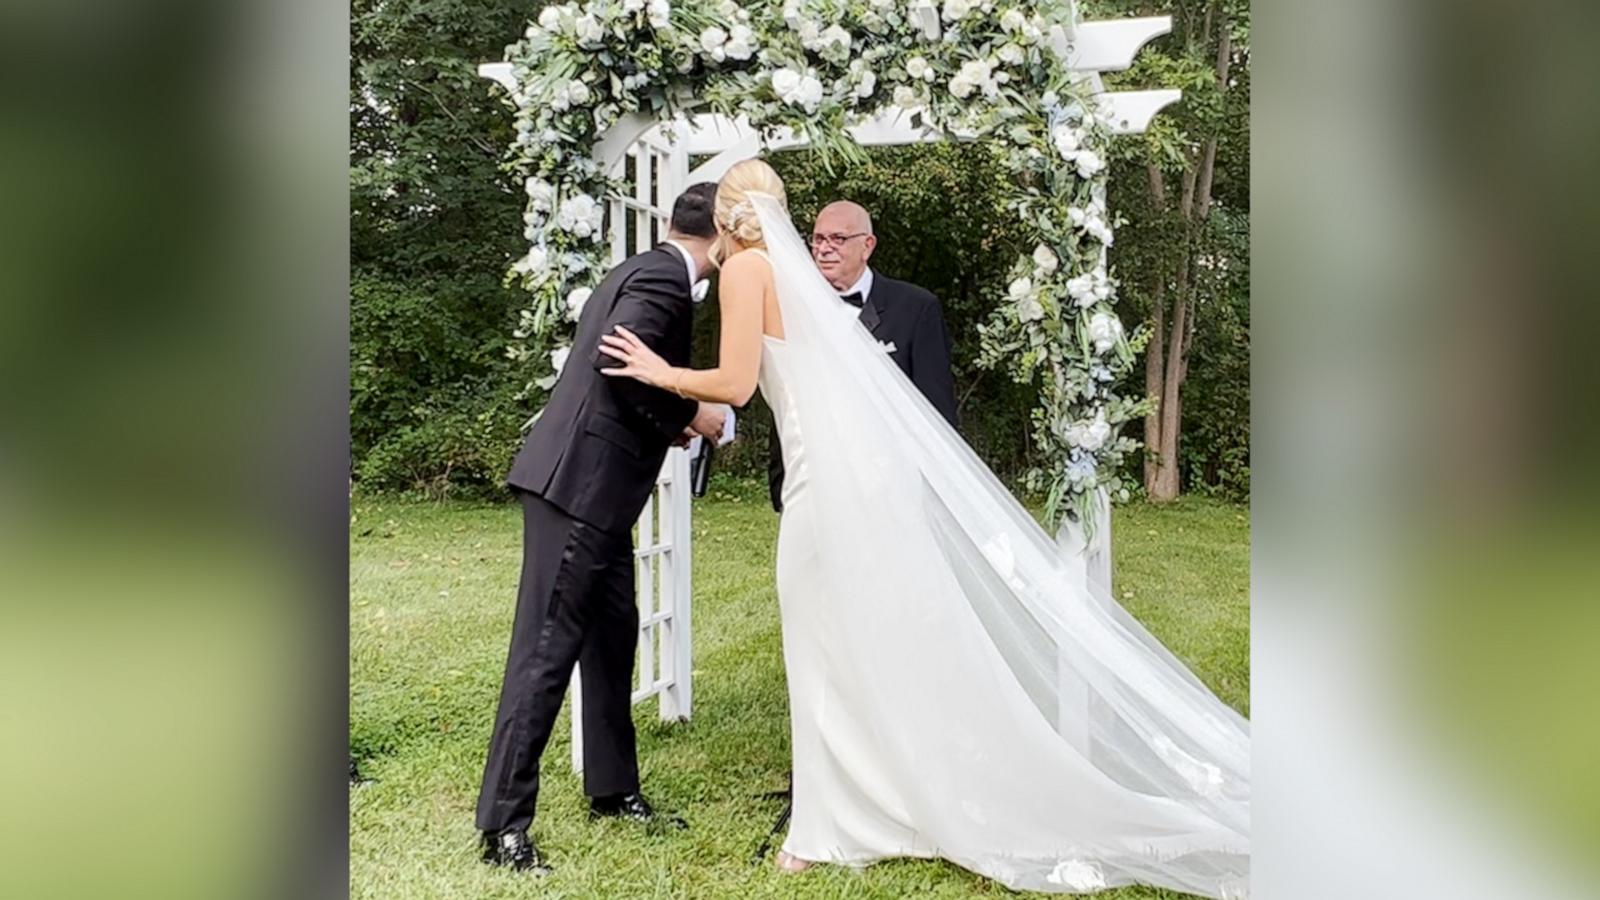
x: 954, y: 689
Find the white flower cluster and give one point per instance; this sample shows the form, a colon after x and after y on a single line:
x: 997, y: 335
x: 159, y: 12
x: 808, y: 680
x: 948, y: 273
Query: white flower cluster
x: 1090, y: 288
x: 1092, y: 220
x: 1021, y: 292
x: 1031, y: 29
x: 832, y: 43
x: 582, y: 216
x: 863, y: 81
x: 586, y: 25
x: 1090, y: 434
x: 574, y: 93
x: 1069, y: 143
x: 978, y: 74
x: 1105, y: 329
x: 575, y: 301
x: 737, y: 43
x: 956, y: 10
x: 659, y: 13
x: 802, y: 89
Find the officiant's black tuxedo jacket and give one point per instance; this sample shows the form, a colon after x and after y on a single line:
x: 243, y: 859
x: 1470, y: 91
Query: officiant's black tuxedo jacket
x: 596, y: 449
x: 910, y: 318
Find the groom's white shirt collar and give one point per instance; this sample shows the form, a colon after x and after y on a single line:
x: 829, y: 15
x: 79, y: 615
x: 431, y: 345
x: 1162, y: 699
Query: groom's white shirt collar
x: 697, y: 285
x: 863, y: 285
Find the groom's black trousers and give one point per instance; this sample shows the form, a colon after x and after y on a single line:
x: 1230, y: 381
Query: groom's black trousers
x: 575, y: 604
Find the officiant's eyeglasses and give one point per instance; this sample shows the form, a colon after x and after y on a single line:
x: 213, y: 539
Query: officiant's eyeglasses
x: 818, y: 241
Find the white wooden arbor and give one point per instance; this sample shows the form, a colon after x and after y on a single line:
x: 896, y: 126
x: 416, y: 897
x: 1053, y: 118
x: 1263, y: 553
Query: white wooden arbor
x: 654, y: 161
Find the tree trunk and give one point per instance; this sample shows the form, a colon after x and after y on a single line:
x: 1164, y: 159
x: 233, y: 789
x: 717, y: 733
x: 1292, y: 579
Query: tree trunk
x: 1154, y: 354
x: 1167, y: 357
x: 1167, y: 485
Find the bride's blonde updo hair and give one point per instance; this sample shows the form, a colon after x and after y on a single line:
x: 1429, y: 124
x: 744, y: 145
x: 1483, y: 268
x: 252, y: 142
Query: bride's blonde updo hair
x: 738, y: 226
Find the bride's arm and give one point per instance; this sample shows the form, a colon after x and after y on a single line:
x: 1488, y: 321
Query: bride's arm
x: 742, y: 293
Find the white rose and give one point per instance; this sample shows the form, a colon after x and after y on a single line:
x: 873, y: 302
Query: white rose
x: 589, y: 31
x: 811, y: 35
x: 741, y: 43
x: 1105, y: 330
x: 1082, y: 290
x: 541, y: 194
x: 1045, y: 259
x: 1089, y: 163
x: 580, y: 214
x: 632, y: 6
x: 532, y: 264
x: 917, y: 67
x: 549, y: 18
x: 575, y: 302
x: 904, y: 97
x: 1010, y: 54
x: 1029, y: 309
x: 660, y: 13
x: 1013, y: 20
x: 1066, y: 140
x: 577, y: 92
x: 784, y: 83
x: 1102, y: 284
x: 836, y: 37
x: 711, y: 41
x: 978, y: 71
x: 956, y: 10
x: 558, y: 358
x: 1020, y: 288
x: 1089, y: 435
x: 810, y: 93
x: 974, y: 74
x: 869, y: 82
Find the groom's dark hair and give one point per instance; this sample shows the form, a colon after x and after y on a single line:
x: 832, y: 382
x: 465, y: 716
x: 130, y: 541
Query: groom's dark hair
x: 692, y: 214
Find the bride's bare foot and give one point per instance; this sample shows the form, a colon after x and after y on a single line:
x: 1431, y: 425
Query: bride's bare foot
x: 789, y: 863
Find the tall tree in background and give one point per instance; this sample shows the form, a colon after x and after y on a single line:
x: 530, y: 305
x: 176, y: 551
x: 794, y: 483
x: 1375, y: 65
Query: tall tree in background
x: 435, y: 222
x: 1193, y: 162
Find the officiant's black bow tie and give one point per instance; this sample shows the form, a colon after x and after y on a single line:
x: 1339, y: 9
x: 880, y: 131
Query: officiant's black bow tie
x: 853, y: 299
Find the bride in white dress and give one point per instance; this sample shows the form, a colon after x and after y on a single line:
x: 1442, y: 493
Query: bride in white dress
x: 955, y: 689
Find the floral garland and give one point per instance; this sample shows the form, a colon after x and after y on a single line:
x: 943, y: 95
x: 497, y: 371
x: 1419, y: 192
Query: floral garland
x: 973, y: 68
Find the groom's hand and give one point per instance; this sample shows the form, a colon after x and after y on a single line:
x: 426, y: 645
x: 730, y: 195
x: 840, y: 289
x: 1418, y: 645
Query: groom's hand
x: 708, y: 421
x: 683, y: 440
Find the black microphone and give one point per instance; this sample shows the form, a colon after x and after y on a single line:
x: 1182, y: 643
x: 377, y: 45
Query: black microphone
x: 700, y: 467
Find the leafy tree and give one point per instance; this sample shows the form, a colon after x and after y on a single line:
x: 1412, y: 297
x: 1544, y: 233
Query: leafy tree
x: 434, y: 224
x: 1183, y: 188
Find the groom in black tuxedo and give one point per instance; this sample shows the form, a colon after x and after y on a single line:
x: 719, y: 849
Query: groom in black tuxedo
x: 583, y: 476
x: 896, y: 312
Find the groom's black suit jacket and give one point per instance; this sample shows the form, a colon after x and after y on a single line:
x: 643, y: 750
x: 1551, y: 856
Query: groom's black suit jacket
x: 596, y: 449
x: 910, y: 318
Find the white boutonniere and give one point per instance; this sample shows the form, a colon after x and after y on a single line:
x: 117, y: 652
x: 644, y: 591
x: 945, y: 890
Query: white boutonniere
x: 886, y: 346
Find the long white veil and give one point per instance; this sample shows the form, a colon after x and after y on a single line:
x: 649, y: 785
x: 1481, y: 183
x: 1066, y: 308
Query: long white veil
x: 910, y: 518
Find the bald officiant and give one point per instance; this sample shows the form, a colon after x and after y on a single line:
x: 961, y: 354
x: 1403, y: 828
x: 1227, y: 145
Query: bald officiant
x: 896, y: 312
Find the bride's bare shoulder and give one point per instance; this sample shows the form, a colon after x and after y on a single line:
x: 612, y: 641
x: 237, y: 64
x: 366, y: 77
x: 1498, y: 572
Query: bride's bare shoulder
x: 748, y: 264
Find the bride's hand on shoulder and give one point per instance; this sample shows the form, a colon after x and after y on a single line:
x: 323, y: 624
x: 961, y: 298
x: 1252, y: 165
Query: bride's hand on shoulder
x: 638, y: 360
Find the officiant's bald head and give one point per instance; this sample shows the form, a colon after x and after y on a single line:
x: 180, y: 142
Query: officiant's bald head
x: 842, y: 241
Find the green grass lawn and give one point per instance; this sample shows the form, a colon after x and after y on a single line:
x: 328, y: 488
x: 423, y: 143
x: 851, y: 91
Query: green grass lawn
x: 432, y: 589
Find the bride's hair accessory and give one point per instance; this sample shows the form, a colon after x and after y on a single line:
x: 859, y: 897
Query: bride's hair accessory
x: 741, y: 212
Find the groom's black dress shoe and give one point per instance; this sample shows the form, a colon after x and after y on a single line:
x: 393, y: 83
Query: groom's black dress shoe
x: 632, y: 807
x: 513, y: 850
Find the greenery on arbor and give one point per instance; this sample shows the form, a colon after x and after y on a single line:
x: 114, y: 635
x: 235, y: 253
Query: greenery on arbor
x: 436, y: 221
